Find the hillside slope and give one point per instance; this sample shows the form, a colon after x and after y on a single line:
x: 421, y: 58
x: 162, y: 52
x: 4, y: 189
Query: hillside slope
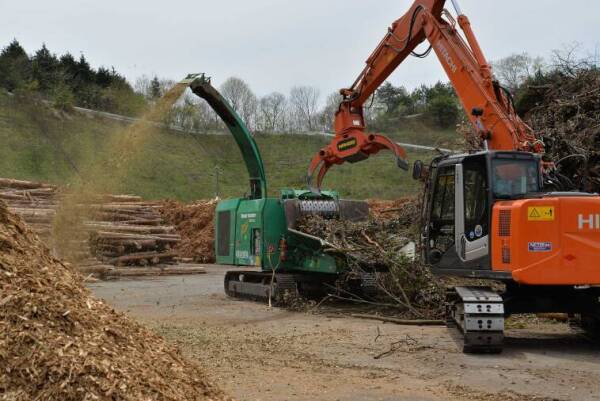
x: 41, y: 144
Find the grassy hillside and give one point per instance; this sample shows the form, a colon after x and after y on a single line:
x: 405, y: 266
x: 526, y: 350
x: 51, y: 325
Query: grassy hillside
x: 40, y: 144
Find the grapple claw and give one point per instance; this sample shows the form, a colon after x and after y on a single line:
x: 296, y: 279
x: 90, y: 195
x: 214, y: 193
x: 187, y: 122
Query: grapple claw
x: 317, y: 164
x: 353, y: 146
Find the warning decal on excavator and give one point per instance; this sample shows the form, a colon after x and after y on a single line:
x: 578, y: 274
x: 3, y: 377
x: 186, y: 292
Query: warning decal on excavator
x: 541, y: 213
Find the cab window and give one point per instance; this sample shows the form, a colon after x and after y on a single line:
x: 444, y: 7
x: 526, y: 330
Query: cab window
x: 514, y: 178
x: 441, y: 227
x: 476, y: 198
x: 443, y: 200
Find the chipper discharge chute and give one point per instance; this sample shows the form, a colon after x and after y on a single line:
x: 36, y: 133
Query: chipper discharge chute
x: 261, y: 232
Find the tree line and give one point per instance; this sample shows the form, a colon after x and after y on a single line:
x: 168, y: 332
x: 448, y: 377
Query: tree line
x: 66, y: 81
x: 527, y: 77
x: 304, y: 110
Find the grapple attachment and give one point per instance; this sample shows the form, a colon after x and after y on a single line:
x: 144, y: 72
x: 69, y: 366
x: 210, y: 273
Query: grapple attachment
x: 353, y: 147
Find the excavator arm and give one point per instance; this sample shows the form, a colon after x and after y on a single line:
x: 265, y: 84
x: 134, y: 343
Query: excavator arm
x: 488, y: 105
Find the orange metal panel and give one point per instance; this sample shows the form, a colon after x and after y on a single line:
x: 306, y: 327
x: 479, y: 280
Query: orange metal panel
x: 552, y: 241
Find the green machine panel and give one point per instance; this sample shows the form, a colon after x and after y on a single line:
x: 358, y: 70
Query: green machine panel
x: 225, y: 229
x: 275, y: 229
x: 248, y: 235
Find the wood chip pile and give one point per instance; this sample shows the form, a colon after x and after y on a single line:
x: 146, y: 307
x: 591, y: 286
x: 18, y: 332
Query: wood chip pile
x: 195, y: 223
x: 58, y: 342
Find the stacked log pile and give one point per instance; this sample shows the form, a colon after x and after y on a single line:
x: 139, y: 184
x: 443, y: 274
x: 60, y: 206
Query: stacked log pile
x: 100, y: 233
x: 126, y: 231
x: 35, y: 202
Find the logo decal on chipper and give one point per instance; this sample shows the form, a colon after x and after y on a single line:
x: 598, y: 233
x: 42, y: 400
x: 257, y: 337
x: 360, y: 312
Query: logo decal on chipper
x: 541, y: 213
x: 346, y: 144
x: 591, y: 221
x: 540, y: 247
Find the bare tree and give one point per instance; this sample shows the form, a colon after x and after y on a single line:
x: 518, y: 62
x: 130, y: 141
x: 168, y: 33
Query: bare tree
x: 327, y: 115
x: 272, y: 112
x: 142, y: 86
x: 166, y: 85
x: 514, y: 70
x: 208, y: 119
x: 242, y: 100
x: 146, y: 86
x: 569, y: 59
x: 187, y: 115
x: 304, y: 101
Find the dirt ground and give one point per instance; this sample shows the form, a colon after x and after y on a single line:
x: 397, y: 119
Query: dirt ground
x: 257, y: 353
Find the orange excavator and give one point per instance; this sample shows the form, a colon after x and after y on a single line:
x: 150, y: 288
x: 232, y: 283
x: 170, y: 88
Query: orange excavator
x: 501, y: 213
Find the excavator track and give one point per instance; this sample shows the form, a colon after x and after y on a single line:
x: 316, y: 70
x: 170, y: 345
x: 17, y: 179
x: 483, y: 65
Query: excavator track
x: 588, y: 325
x: 478, y: 313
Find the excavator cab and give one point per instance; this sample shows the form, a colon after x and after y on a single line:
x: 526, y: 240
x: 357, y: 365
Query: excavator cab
x: 457, y: 212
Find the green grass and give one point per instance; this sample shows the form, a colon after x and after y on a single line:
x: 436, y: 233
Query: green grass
x: 40, y: 144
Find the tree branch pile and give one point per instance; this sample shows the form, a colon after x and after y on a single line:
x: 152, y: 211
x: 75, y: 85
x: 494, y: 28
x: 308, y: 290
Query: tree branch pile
x: 567, y: 116
x: 377, y: 244
x: 58, y: 342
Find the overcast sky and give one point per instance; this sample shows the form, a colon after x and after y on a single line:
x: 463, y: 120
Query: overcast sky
x: 275, y: 44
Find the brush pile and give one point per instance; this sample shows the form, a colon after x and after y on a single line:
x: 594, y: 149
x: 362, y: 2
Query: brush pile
x: 378, y: 243
x: 57, y: 342
x: 567, y: 115
x: 195, y: 224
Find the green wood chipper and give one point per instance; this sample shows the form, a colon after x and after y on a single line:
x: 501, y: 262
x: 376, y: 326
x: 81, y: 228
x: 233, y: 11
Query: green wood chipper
x: 260, y: 232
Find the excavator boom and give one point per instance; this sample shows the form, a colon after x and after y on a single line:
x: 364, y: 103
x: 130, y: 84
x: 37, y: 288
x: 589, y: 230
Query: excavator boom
x: 487, y: 104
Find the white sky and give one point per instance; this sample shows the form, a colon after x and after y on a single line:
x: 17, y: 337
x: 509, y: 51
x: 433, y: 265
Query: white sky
x: 272, y: 44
